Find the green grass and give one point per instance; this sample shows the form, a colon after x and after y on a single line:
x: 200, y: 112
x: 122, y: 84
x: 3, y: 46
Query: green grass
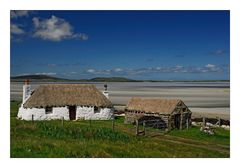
x: 221, y: 137
x: 79, y: 139
x: 14, y: 108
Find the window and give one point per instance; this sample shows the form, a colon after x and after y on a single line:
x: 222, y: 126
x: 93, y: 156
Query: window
x: 48, y: 110
x: 96, y: 109
x: 184, y: 109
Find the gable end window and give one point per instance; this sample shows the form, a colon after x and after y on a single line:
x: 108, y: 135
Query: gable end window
x: 48, y: 110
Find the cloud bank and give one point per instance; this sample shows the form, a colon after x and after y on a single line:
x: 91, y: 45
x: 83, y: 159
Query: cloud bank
x: 209, y: 68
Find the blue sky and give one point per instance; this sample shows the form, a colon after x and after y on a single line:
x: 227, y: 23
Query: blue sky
x: 158, y: 45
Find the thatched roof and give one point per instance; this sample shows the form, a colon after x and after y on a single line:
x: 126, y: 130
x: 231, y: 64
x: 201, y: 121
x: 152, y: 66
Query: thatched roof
x: 59, y: 95
x: 153, y: 105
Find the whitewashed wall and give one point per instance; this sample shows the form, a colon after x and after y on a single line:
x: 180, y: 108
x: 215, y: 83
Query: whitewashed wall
x: 82, y: 112
x: 39, y: 113
x: 87, y: 113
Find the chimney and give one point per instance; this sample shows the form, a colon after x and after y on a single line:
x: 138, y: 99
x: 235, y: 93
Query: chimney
x: 26, y: 91
x: 105, y: 92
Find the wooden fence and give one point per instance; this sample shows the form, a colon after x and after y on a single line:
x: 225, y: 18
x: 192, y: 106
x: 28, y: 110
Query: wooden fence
x: 214, y: 121
x: 146, y: 126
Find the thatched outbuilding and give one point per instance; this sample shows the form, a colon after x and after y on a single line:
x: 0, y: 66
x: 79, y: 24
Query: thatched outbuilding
x: 169, y: 113
x: 68, y: 101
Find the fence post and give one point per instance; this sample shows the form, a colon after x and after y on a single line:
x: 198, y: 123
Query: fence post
x: 187, y: 123
x: 219, y: 121
x: 62, y: 121
x: 204, y: 121
x: 113, y: 124
x: 144, y: 130
x: 181, y: 122
x: 32, y: 119
x: 136, y: 127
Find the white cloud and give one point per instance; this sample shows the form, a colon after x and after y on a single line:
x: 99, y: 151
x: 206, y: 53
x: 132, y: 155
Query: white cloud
x: 210, y: 66
x: 118, y: 69
x: 179, y: 66
x: 55, y: 29
x: 18, y: 13
x: 219, y: 52
x: 15, y: 29
x: 46, y: 73
x: 91, y: 71
x: 52, y: 29
x: 100, y: 72
x: 204, y: 70
x: 22, y: 74
x: 80, y: 36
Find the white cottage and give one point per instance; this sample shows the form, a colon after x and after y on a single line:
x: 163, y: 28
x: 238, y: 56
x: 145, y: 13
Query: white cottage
x: 68, y: 101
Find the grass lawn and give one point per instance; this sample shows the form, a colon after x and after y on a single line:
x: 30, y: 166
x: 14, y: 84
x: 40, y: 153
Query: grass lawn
x: 82, y: 139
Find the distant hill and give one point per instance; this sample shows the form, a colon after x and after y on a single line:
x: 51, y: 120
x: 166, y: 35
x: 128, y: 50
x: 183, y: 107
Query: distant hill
x: 46, y: 78
x: 36, y: 78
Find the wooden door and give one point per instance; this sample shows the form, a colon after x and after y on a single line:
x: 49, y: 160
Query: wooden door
x: 72, y: 112
x: 177, y: 118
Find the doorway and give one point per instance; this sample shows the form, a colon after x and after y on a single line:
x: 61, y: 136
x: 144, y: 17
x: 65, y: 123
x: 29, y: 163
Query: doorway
x: 72, y: 112
x: 177, y: 118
